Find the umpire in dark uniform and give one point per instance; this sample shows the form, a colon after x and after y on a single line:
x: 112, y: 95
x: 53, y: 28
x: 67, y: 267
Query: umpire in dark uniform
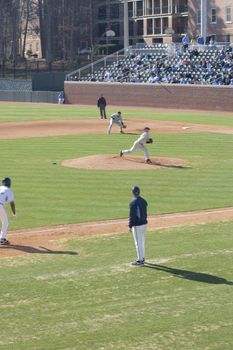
x: 138, y: 224
x: 101, y: 104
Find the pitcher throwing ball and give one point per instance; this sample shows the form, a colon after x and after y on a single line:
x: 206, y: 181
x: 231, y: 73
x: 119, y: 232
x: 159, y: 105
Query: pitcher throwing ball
x: 138, y: 224
x: 6, y: 196
x: 140, y: 144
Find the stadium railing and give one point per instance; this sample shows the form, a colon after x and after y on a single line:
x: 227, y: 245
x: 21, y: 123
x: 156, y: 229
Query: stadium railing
x: 96, y: 65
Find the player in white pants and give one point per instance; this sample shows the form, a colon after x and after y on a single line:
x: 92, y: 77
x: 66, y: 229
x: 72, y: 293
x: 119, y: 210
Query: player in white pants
x: 6, y: 196
x: 139, y: 241
x: 140, y: 144
x: 116, y: 119
x: 138, y: 224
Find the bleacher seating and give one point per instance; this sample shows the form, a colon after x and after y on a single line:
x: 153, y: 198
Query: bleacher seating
x: 164, y: 64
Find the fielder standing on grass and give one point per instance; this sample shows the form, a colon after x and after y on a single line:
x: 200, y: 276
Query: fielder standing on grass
x: 6, y: 196
x: 116, y: 118
x: 140, y: 143
x: 138, y: 224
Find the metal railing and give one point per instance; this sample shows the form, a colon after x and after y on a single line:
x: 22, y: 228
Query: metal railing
x: 96, y: 65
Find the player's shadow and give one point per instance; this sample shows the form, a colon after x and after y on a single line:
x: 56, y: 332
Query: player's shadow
x: 40, y: 250
x: 156, y: 163
x: 171, y: 165
x: 190, y: 275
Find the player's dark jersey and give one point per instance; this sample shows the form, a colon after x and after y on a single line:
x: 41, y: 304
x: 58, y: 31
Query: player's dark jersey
x: 101, y: 102
x: 138, y: 212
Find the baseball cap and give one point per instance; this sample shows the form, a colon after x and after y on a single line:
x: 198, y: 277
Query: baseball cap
x: 136, y: 190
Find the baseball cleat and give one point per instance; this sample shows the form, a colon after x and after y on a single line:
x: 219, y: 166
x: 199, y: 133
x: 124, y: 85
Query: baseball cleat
x: 138, y: 263
x: 121, y: 153
x: 148, y: 161
x: 4, y: 241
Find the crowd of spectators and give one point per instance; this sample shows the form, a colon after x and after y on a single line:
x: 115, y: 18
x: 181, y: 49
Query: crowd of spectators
x: 193, y: 65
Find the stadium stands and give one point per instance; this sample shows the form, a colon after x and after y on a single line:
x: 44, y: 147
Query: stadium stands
x: 204, y: 65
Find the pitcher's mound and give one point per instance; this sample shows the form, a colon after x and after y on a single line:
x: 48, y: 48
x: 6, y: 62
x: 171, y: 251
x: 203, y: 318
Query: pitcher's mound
x: 113, y: 162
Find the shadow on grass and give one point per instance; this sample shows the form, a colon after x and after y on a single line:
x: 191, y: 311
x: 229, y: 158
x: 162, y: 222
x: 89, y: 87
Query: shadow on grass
x: 171, y: 165
x: 39, y: 250
x: 156, y: 163
x: 190, y: 275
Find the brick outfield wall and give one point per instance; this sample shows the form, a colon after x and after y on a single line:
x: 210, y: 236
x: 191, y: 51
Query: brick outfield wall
x: 212, y: 98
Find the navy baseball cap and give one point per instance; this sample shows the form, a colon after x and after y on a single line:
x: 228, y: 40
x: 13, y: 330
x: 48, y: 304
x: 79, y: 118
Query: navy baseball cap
x: 136, y: 190
x: 6, y: 182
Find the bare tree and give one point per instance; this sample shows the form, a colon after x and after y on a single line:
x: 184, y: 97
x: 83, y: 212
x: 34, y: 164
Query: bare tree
x: 9, y: 33
x: 61, y: 24
x: 26, y: 7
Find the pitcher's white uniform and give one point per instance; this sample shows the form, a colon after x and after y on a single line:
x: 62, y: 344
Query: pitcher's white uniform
x: 140, y: 144
x: 6, y: 196
x: 116, y: 119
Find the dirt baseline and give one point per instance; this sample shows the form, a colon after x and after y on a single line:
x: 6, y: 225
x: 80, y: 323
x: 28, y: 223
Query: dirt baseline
x: 50, y: 240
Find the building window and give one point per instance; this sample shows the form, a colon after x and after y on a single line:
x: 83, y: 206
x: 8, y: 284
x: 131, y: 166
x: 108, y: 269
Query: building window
x: 131, y: 28
x: 114, y: 11
x: 157, y: 26
x: 213, y: 15
x: 228, y: 38
x: 165, y: 6
x: 157, y: 7
x: 149, y: 7
x: 198, y: 16
x: 228, y: 14
x: 139, y: 27
x: 130, y: 9
x: 139, y: 8
x: 102, y: 14
x: 164, y: 24
x: 149, y: 26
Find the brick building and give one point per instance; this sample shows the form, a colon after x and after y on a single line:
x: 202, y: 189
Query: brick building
x: 162, y: 21
x: 219, y: 19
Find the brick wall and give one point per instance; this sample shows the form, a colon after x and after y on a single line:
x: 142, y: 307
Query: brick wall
x: 215, y: 98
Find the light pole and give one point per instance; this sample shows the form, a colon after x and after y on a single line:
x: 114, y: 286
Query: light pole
x: 203, y: 19
x: 126, y: 27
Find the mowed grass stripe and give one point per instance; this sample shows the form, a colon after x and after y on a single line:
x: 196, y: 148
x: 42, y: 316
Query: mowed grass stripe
x: 33, y: 112
x: 96, y: 300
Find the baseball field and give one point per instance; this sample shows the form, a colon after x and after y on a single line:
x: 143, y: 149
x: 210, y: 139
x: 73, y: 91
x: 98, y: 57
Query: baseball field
x: 67, y: 280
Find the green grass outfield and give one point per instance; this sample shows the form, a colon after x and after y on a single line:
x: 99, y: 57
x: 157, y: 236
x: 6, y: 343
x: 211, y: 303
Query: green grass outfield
x: 87, y: 296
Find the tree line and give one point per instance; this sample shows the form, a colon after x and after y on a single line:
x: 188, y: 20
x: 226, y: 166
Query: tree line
x: 61, y: 24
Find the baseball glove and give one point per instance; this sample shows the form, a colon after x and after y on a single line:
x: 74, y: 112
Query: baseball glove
x: 124, y: 126
x: 150, y: 140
